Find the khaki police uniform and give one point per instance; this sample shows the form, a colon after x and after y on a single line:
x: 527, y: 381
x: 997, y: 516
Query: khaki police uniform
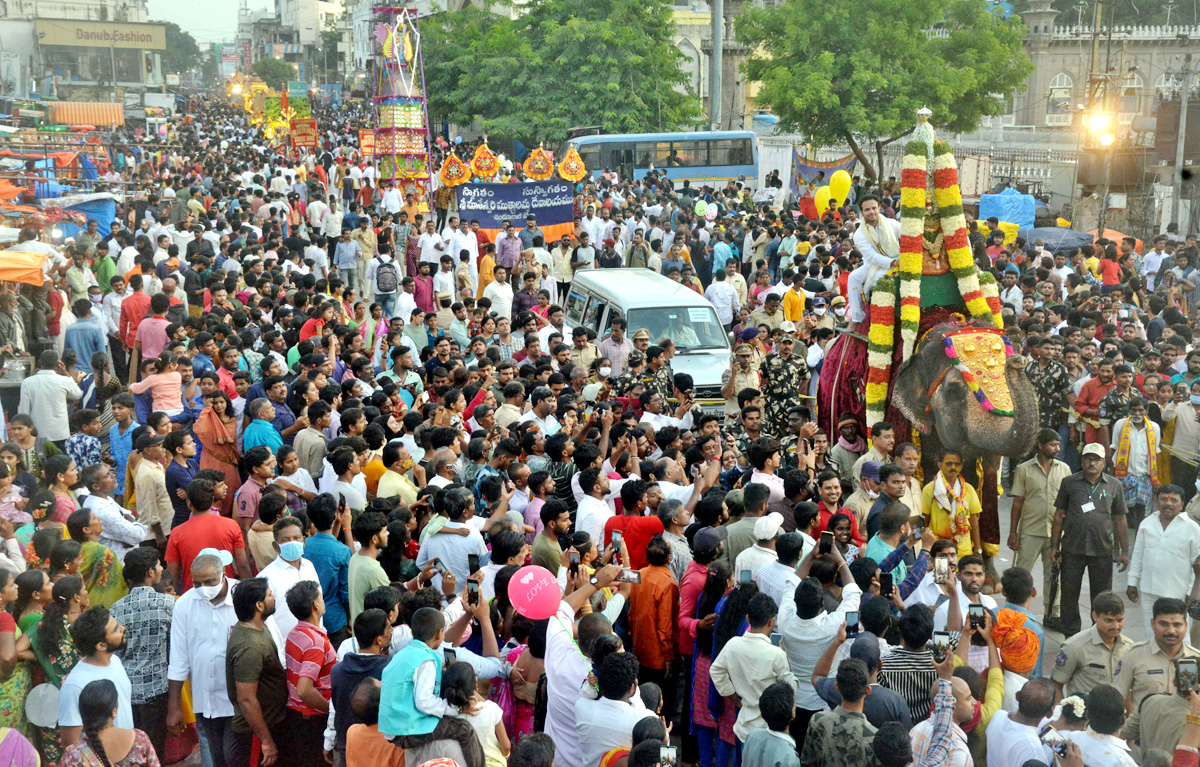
x: 1084, y: 662
x: 1146, y: 670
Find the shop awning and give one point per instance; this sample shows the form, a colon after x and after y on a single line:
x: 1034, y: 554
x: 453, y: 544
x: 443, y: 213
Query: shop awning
x: 85, y: 113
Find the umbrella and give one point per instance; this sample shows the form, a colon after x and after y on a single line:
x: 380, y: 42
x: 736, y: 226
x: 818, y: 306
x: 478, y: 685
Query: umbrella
x: 1115, y: 236
x: 21, y: 266
x: 1057, y: 239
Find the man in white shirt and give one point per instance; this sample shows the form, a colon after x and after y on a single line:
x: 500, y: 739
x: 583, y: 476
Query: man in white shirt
x: 98, y: 636
x: 320, y: 258
x: 878, y: 240
x: 592, y: 225
x: 1012, y: 296
x: 1165, y: 553
x: 766, y: 531
x: 286, y: 570
x: 392, y: 200
x: 970, y: 583
x: 453, y: 550
x: 652, y: 404
x: 724, y: 299
x: 431, y: 244
x: 1153, y: 261
x: 500, y: 293
x: 749, y: 664
x: 593, y: 511
x: 316, y: 214
x: 778, y: 575
x: 1012, y: 738
x: 542, y: 404
x: 200, y: 627
x: 1100, y: 745
x: 607, y: 722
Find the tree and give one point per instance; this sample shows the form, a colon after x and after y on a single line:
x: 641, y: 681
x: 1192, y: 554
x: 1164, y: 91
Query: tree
x: 831, y: 71
x: 562, y: 64
x: 182, y: 53
x: 275, y: 72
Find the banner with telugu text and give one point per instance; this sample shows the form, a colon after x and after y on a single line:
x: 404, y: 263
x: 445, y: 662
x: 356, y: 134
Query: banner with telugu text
x: 493, y: 204
x: 366, y: 142
x: 304, y: 133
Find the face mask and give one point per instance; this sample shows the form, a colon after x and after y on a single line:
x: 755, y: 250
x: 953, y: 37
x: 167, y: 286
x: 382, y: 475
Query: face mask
x: 819, y: 311
x: 605, y: 372
x: 872, y: 494
x: 210, y: 592
x: 840, y: 312
x: 1195, y: 399
x: 291, y: 551
x: 96, y: 299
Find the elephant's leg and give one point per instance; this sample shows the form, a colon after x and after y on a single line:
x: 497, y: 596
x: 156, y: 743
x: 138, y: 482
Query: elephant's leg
x: 989, y: 520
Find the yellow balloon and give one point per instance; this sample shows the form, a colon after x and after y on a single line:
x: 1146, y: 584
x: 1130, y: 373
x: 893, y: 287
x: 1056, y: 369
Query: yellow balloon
x: 839, y: 185
x: 821, y: 198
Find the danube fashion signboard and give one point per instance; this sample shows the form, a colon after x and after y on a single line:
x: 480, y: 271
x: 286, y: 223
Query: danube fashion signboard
x: 101, y: 34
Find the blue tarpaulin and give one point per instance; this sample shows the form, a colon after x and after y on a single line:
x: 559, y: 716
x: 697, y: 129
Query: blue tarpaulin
x: 1056, y: 238
x: 1010, y: 206
x: 100, y: 207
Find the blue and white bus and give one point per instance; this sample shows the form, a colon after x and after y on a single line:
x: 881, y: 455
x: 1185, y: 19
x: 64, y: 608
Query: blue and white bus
x: 706, y: 158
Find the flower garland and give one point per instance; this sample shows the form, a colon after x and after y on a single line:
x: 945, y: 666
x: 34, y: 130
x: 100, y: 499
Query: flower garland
x: 969, y: 377
x: 954, y: 224
x: 880, y: 338
x: 1077, y: 706
x: 991, y: 292
x: 912, y: 241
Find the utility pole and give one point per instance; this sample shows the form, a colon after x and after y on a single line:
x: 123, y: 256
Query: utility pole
x: 716, y: 64
x: 1181, y: 138
x: 112, y: 55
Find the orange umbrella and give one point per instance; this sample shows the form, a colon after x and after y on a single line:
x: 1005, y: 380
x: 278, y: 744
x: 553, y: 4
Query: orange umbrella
x: 1115, y: 236
x: 20, y: 266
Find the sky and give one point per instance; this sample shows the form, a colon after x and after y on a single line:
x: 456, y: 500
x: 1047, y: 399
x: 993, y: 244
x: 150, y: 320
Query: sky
x: 209, y: 21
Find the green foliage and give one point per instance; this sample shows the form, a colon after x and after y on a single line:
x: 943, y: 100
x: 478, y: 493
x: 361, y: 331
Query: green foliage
x: 275, y: 72
x: 271, y: 107
x: 563, y: 64
x: 841, y: 75
x: 182, y: 53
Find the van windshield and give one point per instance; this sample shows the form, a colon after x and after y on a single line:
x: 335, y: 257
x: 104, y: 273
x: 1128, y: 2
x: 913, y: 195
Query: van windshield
x: 691, y: 327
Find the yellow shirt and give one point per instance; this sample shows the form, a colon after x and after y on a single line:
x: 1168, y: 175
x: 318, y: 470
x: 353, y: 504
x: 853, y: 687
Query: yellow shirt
x: 939, y: 519
x: 793, y: 306
x: 392, y: 484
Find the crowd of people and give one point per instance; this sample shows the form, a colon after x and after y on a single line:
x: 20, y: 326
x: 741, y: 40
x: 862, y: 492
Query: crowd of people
x: 295, y: 446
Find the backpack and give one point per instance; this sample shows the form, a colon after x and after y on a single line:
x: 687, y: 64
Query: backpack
x: 387, y: 277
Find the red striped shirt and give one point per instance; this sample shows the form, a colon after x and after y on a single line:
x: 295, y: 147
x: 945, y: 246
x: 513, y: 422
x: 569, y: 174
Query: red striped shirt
x: 309, y: 654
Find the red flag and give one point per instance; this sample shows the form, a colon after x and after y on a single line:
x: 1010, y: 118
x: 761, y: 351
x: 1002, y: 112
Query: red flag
x: 283, y: 104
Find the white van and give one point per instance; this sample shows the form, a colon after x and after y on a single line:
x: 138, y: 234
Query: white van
x: 646, y: 299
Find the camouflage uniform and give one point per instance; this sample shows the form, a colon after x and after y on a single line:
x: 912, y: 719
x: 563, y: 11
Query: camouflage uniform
x: 659, y: 382
x: 625, y: 382
x: 782, y: 384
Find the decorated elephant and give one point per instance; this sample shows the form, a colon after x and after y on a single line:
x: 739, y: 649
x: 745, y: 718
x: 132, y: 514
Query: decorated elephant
x: 931, y: 357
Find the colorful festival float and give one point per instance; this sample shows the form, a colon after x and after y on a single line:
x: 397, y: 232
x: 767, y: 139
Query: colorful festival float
x: 400, y: 142
x: 931, y: 358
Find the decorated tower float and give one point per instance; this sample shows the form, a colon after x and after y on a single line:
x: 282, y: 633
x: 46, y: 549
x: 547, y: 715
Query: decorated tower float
x: 401, y: 133
x: 932, y: 358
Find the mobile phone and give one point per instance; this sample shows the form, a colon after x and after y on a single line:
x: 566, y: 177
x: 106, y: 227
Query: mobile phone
x: 473, y: 563
x: 1055, y: 740
x: 776, y: 638
x: 885, y: 585
x: 667, y: 756
x: 917, y: 524
x: 573, y: 558
x: 851, y: 624
x: 941, y: 645
x: 745, y: 576
x: 441, y: 568
x: 449, y: 655
x: 616, y: 541
x: 628, y: 576
x: 1187, y: 675
x: 472, y: 593
x: 975, y: 616
x: 826, y: 545
x: 941, y: 569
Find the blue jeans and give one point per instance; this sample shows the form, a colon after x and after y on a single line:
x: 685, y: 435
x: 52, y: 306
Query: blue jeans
x: 387, y: 301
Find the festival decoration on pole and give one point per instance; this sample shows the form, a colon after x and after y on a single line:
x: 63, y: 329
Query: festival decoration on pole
x: 539, y: 166
x: 572, y: 168
x: 484, y: 164
x: 454, y: 171
x: 401, y: 136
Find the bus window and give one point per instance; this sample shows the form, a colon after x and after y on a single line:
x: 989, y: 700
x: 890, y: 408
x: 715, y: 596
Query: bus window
x: 645, y: 154
x: 691, y: 154
x: 590, y: 155
x: 574, y: 307
x: 663, y: 158
x: 730, y: 152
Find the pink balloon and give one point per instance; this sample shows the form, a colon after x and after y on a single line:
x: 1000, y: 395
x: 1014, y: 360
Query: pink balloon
x: 534, y: 593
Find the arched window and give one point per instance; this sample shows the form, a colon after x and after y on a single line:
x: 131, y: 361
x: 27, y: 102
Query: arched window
x: 1058, y: 104
x: 1129, y: 105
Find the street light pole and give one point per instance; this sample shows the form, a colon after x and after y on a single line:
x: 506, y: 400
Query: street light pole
x: 1177, y: 191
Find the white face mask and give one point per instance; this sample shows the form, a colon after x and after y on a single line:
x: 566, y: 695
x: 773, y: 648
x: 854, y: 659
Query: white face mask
x: 605, y: 372
x: 210, y: 592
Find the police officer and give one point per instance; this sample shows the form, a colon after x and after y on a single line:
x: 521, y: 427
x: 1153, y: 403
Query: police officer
x: 783, y: 377
x: 740, y: 376
x: 1148, y: 667
x: 1091, y: 658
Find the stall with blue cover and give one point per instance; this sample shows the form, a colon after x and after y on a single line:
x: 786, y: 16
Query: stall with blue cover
x: 1009, y: 206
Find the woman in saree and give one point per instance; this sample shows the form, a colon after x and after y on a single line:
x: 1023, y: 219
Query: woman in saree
x: 101, y: 568
x: 60, y: 475
x: 41, y: 508
x: 216, y: 428
x: 14, y: 674
x: 33, y: 592
x: 49, y: 643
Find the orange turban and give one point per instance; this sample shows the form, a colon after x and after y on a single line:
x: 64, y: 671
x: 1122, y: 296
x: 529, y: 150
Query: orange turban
x: 1018, y: 645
